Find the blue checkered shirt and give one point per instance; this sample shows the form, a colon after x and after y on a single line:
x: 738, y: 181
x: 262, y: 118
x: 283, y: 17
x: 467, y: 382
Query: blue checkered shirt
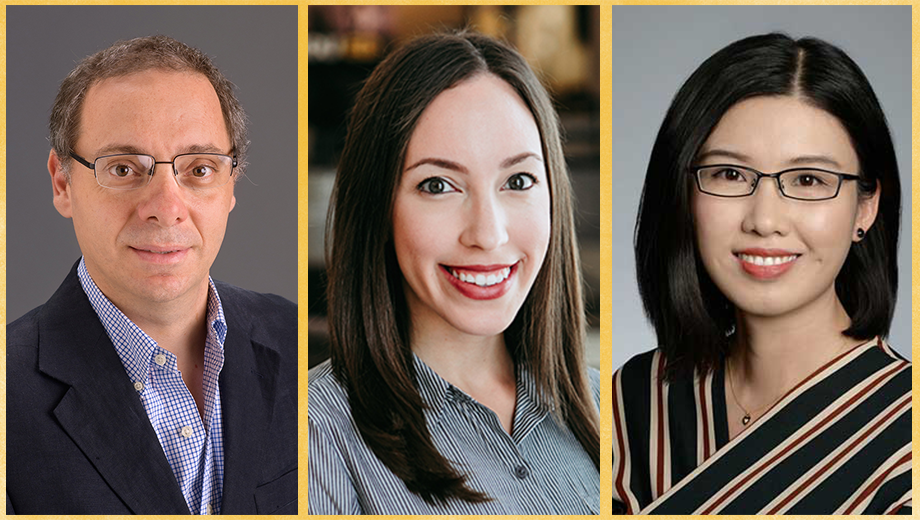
x: 193, y: 445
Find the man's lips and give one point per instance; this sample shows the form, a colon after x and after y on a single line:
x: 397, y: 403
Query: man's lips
x: 162, y: 255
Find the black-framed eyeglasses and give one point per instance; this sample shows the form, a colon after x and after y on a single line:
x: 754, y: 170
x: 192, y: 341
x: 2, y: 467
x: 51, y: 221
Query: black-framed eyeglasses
x: 730, y: 180
x: 198, y: 171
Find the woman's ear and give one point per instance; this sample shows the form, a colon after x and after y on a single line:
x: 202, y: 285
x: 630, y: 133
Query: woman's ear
x: 866, y: 211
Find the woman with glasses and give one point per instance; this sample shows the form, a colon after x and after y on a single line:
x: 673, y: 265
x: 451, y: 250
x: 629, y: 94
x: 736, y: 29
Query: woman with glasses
x: 457, y: 382
x: 766, y: 257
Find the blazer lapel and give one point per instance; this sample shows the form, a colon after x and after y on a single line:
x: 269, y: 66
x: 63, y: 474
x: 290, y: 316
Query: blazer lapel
x: 247, y: 394
x: 102, y: 412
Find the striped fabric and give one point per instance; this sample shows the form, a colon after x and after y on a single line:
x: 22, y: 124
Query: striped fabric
x: 837, y: 443
x: 540, y: 469
x: 193, y: 447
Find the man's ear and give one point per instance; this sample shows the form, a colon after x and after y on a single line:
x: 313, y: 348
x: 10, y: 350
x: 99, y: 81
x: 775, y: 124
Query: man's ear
x: 60, y: 185
x: 866, y: 212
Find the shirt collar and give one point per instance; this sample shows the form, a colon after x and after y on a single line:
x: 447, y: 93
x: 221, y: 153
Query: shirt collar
x: 437, y: 392
x: 135, y: 348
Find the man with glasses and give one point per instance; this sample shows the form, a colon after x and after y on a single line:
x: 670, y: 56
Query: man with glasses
x: 142, y: 386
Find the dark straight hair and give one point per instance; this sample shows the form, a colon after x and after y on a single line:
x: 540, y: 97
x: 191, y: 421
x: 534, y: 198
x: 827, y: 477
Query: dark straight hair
x: 692, y: 318
x: 369, y: 322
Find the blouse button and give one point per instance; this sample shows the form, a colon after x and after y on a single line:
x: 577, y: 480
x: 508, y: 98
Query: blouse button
x: 521, y: 472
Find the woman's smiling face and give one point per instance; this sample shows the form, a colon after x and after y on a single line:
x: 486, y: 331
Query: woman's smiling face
x: 471, y: 217
x: 769, y: 254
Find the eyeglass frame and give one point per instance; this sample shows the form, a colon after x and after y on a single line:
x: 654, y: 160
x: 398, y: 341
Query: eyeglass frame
x: 695, y: 171
x: 92, y: 166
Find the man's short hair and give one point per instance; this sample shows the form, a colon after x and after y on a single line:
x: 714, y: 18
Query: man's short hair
x: 137, y: 55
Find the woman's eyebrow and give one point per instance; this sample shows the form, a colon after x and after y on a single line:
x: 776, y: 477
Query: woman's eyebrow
x: 440, y: 163
x: 812, y: 159
x: 723, y: 153
x: 521, y: 157
x: 795, y: 161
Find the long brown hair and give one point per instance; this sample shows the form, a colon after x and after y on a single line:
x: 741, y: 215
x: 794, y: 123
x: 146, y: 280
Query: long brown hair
x: 369, y: 321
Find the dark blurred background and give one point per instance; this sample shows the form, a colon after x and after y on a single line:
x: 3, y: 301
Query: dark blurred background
x: 561, y: 43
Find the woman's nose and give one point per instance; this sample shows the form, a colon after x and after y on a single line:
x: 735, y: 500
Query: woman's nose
x: 767, y: 209
x: 486, y: 227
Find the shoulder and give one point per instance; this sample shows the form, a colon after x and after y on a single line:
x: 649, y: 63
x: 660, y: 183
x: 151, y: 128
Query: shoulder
x: 639, y: 370
x: 24, y: 331
x: 22, y: 346
x: 327, y: 400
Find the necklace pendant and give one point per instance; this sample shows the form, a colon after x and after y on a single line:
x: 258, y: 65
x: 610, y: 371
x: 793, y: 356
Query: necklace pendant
x: 746, y: 419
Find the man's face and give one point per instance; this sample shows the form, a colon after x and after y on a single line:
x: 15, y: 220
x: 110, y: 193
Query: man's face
x: 154, y: 244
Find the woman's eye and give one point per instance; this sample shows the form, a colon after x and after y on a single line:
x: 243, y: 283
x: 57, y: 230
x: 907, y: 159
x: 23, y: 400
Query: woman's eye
x: 729, y: 174
x: 520, y: 182
x: 808, y: 180
x: 435, y: 186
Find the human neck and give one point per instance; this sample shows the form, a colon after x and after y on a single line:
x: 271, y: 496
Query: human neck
x: 774, y: 353
x: 468, y: 362
x: 177, y: 325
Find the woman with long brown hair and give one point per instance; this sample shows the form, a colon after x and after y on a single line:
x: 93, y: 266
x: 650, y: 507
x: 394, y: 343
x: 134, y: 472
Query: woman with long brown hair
x: 457, y: 382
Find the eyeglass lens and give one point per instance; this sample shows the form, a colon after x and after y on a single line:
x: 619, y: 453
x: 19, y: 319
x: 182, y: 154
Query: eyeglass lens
x: 737, y: 182
x: 196, y: 171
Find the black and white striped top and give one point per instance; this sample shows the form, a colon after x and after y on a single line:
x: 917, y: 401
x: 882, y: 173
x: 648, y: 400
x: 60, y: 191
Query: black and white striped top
x: 837, y: 443
x: 540, y: 469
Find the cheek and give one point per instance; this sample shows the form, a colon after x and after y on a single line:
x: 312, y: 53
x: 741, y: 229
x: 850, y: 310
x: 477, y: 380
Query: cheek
x: 828, y: 231
x: 529, y: 226
x: 713, y: 223
x: 418, y: 236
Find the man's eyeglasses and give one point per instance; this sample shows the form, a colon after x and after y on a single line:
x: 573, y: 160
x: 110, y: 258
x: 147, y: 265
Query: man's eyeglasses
x: 728, y: 180
x: 198, y: 171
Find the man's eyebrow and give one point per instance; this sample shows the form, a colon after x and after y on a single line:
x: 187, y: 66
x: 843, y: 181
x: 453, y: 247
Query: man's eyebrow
x: 117, y: 148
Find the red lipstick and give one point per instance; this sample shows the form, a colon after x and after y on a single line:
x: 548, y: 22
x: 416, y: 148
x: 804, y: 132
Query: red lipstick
x: 766, y: 264
x: 475, y: 276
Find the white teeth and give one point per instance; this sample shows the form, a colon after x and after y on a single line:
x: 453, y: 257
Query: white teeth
x: 482, y: 280
x: 767, y: 260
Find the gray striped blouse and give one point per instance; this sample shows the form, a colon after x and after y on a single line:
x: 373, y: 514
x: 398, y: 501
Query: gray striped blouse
x: 540, y: 469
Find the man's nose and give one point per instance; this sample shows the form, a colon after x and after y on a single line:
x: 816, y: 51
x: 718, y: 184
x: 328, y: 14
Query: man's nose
x: 163, y: 199
x: 486, y: 225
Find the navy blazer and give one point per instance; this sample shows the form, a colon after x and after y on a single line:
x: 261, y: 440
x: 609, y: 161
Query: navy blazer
x: 78, y: 440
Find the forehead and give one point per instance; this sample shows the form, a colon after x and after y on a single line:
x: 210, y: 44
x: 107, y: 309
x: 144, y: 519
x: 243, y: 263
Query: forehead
x: 480, y: 119
x: 154, y: 108
x: 775, y: 131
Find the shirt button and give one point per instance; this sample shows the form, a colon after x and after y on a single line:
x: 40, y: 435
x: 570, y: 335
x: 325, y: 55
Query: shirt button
x: 521, y: 472
x: 210, y: 511
x: 186, y: 431
x: 160, y: 359
x: 138, y: 386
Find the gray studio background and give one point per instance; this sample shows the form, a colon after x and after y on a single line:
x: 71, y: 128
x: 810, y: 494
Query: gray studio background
x: 655, y: 49
x: 255, y: 47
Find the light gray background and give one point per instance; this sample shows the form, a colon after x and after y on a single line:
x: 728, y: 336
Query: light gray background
x: 255, y: 47
x: 656, y: 48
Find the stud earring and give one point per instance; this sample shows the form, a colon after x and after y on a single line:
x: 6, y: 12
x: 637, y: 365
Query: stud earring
x: 860, y: 233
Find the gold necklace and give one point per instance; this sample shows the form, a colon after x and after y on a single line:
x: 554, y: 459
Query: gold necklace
x: 746, y: 419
